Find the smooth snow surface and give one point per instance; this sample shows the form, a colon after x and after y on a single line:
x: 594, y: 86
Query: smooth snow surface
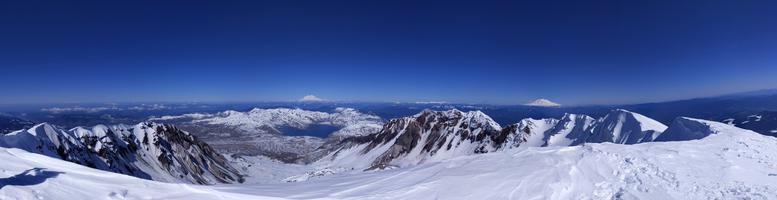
x: 731, y: 164
x: 261, y: 169
x: 25, y: 175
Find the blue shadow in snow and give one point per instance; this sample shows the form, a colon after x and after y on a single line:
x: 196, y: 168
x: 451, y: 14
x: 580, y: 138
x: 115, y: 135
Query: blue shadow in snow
x: 32, y: 176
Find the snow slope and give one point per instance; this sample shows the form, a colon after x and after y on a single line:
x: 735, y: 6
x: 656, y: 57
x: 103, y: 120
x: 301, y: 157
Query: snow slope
x: 737, y: 164
x: 572, y: 129
x: 146, y: 150
x: 429, y: 135
x: 435, y: 135
x: 30, y: 176
x: 625, y: 127
x: 262, y: 169
x: 684, y: 128
x: 531, y: 132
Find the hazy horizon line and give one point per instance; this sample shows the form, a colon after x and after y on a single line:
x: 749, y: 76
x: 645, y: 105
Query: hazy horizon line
x: 753, y: 92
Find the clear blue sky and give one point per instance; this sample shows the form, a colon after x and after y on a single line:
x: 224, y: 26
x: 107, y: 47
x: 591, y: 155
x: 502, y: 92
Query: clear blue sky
x: 473, y: 52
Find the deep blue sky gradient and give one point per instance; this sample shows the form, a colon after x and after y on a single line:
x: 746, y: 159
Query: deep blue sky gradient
x: 597, y: 52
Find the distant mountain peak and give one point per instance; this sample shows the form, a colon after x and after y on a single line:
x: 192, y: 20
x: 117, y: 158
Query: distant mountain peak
x: 311, y: 98
x: 543, y: 103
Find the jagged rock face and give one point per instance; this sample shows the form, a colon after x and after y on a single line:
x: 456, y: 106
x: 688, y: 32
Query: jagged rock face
x: 267, y: 132
x: 436, y: 135
x: 619, y: 126
x: 528, y: 132
x: 572, y: 129
x: 429, y: 135
x: 47, y: 140
x: 147, y: 150
x: 624, y: 127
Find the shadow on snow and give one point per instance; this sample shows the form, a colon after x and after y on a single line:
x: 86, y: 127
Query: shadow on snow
x: 32, y: 176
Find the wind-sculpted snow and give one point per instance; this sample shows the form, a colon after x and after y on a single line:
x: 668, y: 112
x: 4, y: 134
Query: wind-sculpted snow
x: 146, y: 150
x: 731, y: 164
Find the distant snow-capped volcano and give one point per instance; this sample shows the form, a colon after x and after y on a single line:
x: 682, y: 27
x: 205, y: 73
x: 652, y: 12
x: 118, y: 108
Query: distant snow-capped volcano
x: 311, y: 98
x: 543, y: 103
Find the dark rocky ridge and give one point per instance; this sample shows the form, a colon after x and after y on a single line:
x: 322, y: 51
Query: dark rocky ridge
x: 437, y: 135
x: 432, y: 132
x: 147, y: 150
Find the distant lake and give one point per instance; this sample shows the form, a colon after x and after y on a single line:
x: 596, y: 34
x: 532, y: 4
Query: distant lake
x: 315, y: 130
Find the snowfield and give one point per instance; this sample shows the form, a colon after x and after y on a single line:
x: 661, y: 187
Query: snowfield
x: 33, y: 176
x: 259, y: 120
x: 441, y: 135
x: 269, y: 132
x: 730, y: 163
